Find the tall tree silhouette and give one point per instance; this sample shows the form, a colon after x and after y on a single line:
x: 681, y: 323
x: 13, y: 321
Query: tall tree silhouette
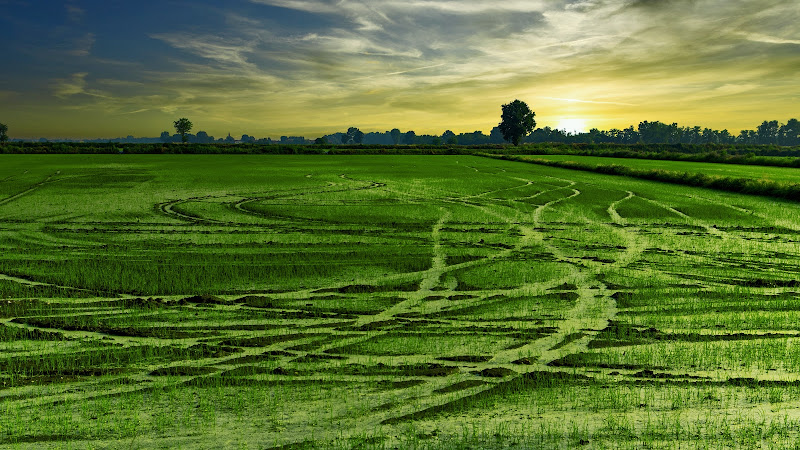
x: 183, y: 126
x: 516, y: 121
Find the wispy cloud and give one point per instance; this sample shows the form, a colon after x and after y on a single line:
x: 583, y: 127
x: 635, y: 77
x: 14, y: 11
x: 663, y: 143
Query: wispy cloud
x: 379, y: 57
x: 76, y: 85
x: 135, y: 112
x: 75, y: 14
x: 574, y: 100
x: 316, y: 66
x: 757, y: 37
x: 72, y: 86
x: 83, y: 45
x: 220, y: 49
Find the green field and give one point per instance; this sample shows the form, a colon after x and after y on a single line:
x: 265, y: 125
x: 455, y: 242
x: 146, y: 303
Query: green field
x: 778, y: 174
x: 243, y: 301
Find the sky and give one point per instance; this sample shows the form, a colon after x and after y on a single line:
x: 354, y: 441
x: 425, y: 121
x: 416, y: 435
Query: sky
x: 113, y: 68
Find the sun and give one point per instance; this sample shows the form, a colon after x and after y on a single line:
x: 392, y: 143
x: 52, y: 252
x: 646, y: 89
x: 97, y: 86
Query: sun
x: 572, y: 126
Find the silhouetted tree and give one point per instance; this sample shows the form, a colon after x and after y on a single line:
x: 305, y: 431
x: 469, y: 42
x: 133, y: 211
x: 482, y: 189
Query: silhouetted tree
x: 548, y: 134
x: 658, y: 132
x: 166, y: 137
x: 790, y: 133
x: 183, y: 126
x: 203, y: 138
x: 496, y: 136
x: 321, y: 141
x: 353, y: 135
x: 3, y: 133
x: 449, y: 138
x: 516, y: 121
x: 474, y: 138
x: 396, y: 135
x: 768, y: 132
x: 410, y: 138
x: 747, y: 137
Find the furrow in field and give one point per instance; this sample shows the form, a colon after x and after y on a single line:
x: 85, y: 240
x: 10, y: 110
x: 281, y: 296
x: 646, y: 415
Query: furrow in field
x: 168, y: 209
x: 709, y: 229
x: 750, y: 212
x: 430, y: 397
x: 24, y: 281
x: 635, y: 245
x: 41, y: 237
x: 495, y: 191
x: 527, y: 233
x: 311, y: 367
x: 612, y: 210
x: 33, y: 283
x: 593, y: 309
x: 242, y: 205
x: 434, y: 275
x: 30, y: 189
x: 580, y: 318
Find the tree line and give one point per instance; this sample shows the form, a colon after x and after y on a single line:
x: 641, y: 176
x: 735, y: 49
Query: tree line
x: 768, y: 133
x: 518, y: 125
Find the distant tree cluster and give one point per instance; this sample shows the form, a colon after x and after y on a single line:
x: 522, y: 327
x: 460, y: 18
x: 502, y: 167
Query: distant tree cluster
x: 519, y: 120
x: 397, y: 137
x: 3, y: 133
x: 204, y: 138
x: 768, y: 133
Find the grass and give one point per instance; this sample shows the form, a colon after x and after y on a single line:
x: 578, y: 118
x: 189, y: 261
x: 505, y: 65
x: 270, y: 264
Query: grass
x: 748, y: 184
x: 781, y: 174
x: 255, y: 301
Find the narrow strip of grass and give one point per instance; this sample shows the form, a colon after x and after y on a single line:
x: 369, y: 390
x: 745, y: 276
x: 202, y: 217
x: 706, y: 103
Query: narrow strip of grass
x: 789, y: 191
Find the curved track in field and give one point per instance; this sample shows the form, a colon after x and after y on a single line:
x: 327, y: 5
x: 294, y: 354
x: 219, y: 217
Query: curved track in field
x: 305, y: 337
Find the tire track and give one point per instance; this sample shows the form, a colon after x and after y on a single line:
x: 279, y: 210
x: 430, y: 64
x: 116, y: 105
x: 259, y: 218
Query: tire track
x: 583, y: 316
x: 694, y: 221
x: 590, y: 311
x: 34, y: 187
x: 612, y: 210
x: 31, y: 283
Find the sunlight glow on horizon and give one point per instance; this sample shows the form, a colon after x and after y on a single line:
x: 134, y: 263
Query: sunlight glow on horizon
x: 572, y: 126
x: 269, y: 68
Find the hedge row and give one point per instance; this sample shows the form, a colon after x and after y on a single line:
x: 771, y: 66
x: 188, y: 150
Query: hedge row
x: 733, y: 154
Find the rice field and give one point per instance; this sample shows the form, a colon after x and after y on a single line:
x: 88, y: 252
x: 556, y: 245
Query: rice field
x: 243, y: 301
x: 767, y: 173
